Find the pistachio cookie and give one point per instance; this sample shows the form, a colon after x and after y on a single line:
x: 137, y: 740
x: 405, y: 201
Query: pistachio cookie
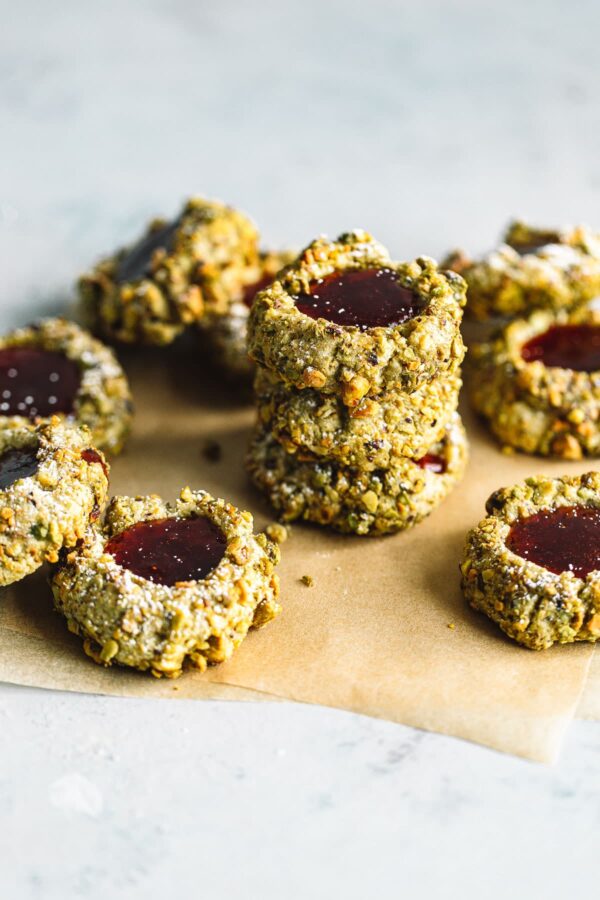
x: 52, y: 484
x: 538, y: 383
x: 533, y: 565
x: 53, y: 367
x: 347, y: 320
x: 227, y: 334
x: 352, y: 500
x: 531, y: 269
x: 175, y: 274
x: 159, y: 585
x: 372, y: 435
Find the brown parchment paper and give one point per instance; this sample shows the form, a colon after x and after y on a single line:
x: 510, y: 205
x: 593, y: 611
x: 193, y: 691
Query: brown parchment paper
x: 589, y: 704
x: 372, y: 635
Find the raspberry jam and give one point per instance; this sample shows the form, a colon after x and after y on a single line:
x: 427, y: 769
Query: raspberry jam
x: 137, y: 263
x: 366, y: 298
x: 566, y: 539
x: 17, y: 463
x: 574, y: 347
x: 92, y: 456
x: 36, y: 382
x: 433, y: 463
x: 167, y: 551
x: 251, y: 290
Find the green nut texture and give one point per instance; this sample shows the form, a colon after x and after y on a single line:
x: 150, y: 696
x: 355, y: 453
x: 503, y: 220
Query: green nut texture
x: 52, y: 507
x: 372, y: 435
x: 538, y: 409
x: 531, y: 604
x: 103, y: 403
x: 346, y: 360
x: 531, y: 269
x: 227, y: 333
x: 126, y: 619
x: 189, y: 268
x: 351, y: 500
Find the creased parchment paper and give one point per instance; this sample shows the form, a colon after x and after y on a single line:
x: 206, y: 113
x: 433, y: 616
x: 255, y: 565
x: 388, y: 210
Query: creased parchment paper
x: 371, y: 635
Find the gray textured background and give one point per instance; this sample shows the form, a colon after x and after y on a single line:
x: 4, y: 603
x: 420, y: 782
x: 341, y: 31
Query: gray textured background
x: 429, y: 124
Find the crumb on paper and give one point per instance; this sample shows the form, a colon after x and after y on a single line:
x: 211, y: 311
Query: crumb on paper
x: 451, y: 626
x: 277, y: 532
x: 212, y: 451
x: 308, y: 580
x: 508, y: 450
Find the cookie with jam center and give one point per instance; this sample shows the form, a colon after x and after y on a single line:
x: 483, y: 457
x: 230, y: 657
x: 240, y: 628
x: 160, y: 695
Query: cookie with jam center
x: 532, y: 269
x: 160, y: 586
x: 227, y: 334
x: 537, y: 382
x: 345, y: 319
x: 372, y: 435
x: 178, y: 272
x: 55, y: 368
x: 53, y: 483
x: 353, y: 500
x: 533, y: 564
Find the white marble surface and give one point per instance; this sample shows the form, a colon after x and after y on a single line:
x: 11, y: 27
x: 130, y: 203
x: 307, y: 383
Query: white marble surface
x: 429, y: 123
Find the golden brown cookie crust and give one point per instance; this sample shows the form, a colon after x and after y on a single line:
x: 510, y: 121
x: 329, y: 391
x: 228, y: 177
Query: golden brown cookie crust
x: 350, y: 500
x: 346, y: 360
x: 103, y: 403
x: 522, y: 275
x: 212, y: 253
x: 538, y: 409
x: 129, y: 620
x: 227, y: 334
x: 532, y: 605
x: 374, y: 434
x: 52, y: 508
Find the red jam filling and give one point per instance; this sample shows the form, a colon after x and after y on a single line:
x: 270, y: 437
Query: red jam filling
x: 167, y: 551
x: 566, y: 539
x: 137, y: 263
x: 574, y: 347
x: 92, y: 456
x: 433, y: 463
x: 17, y: 463
x: 37, y: 382
x: 366, y: 298
x: 251, y: 290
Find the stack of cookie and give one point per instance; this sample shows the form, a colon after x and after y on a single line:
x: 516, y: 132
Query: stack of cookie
x: 357, y: 388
